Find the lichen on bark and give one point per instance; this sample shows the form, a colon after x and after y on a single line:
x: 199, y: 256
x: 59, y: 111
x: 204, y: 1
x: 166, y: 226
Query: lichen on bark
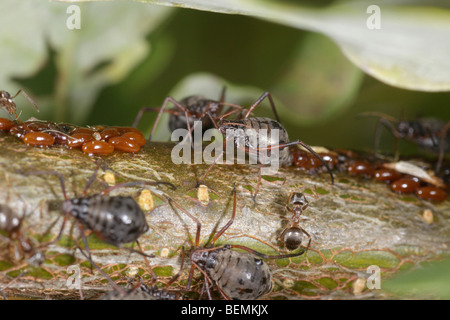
x: 354, y: 224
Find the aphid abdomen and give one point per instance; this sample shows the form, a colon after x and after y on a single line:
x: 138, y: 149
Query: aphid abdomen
x: 116, y: 219
x: 239, y: 275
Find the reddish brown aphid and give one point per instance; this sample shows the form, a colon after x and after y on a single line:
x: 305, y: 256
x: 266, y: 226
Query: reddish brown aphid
x: 6, y: 124
x: 123, y: 130
x: 124, y: 144
x: 136, y: 137
x: 97, y: 148
x: 405, y: 185
x: 82, y: 130
x: 303, y: 160
x: 431, y: 193
x: 387, y: 175
x: 38, y: 139
x: 109, y: 133
x: 79, y: 139
x: 362, y: 168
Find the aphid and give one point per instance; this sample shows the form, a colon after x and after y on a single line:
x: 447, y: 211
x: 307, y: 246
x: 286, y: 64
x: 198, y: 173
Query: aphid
x: 362, y: 168
x: 237, y: 275
x: 38, y: 139
x: 247, y: 135
x: 97, y: 148
x: 431, y: 193
x: 187, y: 111
x: 292, y: 235
x: 387, y: 175
x: 6, y: 124
x: 428, y: 133
x: 115, y: 219
x: 405, y: 185
x: 123, y: 144
x: 7, y: 102
x: 416, y: 171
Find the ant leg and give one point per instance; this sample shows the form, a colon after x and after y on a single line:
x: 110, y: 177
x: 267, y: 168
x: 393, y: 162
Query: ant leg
x: 90, y: 181
x: 28, y: 98
x: 304, y: 145
x: 257, y: 102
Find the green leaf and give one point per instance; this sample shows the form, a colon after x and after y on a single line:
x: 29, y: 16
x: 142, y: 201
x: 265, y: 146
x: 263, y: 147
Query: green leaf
x: 410, y: 50
x: 111, y: 41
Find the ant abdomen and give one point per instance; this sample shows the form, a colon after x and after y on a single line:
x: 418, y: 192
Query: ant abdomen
x: 292, y: 238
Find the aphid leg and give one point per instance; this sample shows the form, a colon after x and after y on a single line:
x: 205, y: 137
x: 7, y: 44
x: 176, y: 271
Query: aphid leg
x: 136, y: 183
x: 154, y: 278
x: 86, y: 246
x: 9, y: 284
x: 175, y: 277
x: 257, y: 102
x: 385, y: 122
x: 230, y: 222
x: 162, y: 109
x: 443, y: 136
x: 107, y: 277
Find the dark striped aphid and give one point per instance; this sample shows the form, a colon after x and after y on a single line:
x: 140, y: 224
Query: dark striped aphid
x: 7, y: 102
x: 187, y: 111
x: 428, y: 133
x: 257, y: 135
x: 237, y: 275
x: 115, y: 219
x: 292, y: 235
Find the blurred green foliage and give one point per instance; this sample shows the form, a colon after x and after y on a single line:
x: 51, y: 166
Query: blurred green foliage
x: 318, y: 90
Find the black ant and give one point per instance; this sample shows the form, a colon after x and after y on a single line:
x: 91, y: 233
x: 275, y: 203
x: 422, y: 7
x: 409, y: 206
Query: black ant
x: 428, y: 133
x: 7, y: 101
x: 292, y: 235
x: 237, y: 275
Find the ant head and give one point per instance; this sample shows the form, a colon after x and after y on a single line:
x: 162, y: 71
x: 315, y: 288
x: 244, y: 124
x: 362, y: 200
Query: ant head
x: 297, y: 199
x: 5, y: 94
